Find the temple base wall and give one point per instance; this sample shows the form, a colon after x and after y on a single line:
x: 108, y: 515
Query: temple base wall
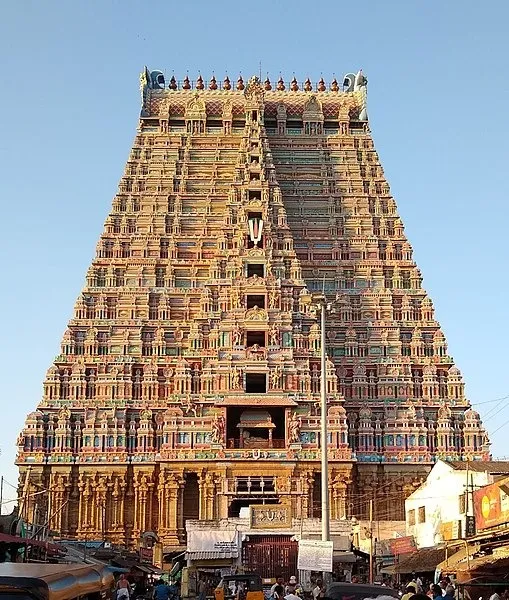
x: 119, y: 503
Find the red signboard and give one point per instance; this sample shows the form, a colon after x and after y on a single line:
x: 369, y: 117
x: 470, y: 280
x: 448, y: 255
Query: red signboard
x: 146, y: 555
x: 491, y: 505
x: 402, y: 545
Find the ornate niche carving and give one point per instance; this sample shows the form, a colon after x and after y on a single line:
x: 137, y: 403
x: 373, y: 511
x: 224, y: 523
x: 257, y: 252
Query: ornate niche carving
x: 312, y: 117
x: 268, y: 516
x: 195, y: 115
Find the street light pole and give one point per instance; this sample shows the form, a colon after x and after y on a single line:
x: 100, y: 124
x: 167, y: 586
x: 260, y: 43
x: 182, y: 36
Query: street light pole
x: 324, y: 434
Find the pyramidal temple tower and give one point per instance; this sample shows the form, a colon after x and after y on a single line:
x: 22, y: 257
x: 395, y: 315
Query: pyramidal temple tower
x: 187, y: 386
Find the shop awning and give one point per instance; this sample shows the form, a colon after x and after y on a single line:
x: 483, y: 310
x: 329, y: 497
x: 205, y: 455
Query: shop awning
x: 343, y: 557
x: 498, y: 560
x: 453, y: 559
x: 14, y: 539
x: 424, y: 560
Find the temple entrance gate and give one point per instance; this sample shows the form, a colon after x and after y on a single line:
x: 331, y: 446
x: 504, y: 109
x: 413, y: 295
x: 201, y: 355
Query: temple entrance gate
x: 270, y: 555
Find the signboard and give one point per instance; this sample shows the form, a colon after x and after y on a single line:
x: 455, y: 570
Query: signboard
x: 212, y: 541
x: 270, y: 516
x: 402, y: 545
x: 469, y: 526
x: 450, y: 530
x: 491, y: 505
x: 146, y: 555
x: 315, y: 555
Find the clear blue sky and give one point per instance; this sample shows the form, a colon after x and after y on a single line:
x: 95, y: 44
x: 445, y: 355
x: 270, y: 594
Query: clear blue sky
x: 438, y: 100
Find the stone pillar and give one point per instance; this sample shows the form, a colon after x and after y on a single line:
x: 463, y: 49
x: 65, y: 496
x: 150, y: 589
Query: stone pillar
x: 338, y: 505
x: 174, y: 483
x: 208, y: 502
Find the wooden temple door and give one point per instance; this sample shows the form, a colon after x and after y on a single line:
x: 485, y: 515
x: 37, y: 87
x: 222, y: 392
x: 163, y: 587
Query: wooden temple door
x: 270, y: 556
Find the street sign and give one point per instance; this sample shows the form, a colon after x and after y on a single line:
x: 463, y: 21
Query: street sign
x: 315, y: 555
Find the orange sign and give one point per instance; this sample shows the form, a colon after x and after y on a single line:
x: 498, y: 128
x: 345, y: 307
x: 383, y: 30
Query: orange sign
x: 402, y: 545
x: 491, y: 505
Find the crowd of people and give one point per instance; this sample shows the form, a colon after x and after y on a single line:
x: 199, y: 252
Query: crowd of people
x: 293, y: 590
x: 159, y: 590
x: 414, y: 589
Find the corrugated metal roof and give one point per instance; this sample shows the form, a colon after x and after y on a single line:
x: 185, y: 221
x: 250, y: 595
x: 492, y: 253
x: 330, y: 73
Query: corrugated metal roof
x: 211, y: 555
x: 421, y: 561
x: 480, y: 466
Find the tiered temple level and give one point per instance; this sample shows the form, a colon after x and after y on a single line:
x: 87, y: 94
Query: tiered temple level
x: 188, y: 380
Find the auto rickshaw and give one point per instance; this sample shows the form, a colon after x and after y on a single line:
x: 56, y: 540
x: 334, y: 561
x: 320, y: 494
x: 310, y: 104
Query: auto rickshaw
x: 240, y: 587
x: 28, y: 581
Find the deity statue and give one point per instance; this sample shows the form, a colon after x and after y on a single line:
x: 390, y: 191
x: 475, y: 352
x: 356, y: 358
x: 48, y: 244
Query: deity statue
x: 190, y: 407
x: 237, y: 336
x: 235, y: 298
x: 273, y: 299
x: 218, y: 428
x: 274, y: 336
x: 294, y: 429
x: 235, y: 378
x: 275, y: 377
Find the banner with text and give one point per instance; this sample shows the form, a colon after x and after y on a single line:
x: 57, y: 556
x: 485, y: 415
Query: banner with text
x: 212, y: 541
x: 315, y: 555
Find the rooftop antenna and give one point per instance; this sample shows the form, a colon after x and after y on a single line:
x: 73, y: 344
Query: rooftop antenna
x: 260, y: 70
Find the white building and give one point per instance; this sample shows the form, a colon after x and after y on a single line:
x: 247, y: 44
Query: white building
x: 436, y: 511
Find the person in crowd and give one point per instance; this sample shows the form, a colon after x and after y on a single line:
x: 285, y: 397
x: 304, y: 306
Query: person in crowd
x: 293, y: 587
x: 123, y: 588
x: 278, y: 593
x: 420, y: 596
x: 410, y: 591
x: 280, y: 581
x: 292, y: 596
x: 449, y: 592
x: 436, y: 592
x: 317, y: 590
x: 161, y: 591
x: 202, y: 588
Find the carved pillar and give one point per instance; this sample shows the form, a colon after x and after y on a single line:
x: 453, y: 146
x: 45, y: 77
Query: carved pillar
x: 174, y: 484
x: 207, y: 497
x: 338, y: 505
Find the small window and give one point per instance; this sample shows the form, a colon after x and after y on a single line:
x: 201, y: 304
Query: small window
x: 411, y: 517
x: 256, y: 383
x: 255, y: 269
x: 422, y: 514
x: 462, y: 504
x: 255, y: 195
x: 255, y: 337
x: 255, y: 300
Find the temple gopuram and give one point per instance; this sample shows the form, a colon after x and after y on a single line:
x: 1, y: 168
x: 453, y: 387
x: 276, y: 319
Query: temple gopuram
x: 187, y: 386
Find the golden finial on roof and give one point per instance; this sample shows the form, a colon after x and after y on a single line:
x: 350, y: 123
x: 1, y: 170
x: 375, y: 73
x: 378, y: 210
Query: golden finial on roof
x: 281, y: 84
x: 213, y: 83
x: 173, y: 83
x: 307, y: 85
x: 199, y: 83
x: 226, y: 83
x: 334, y: 85
x: 186, y: 85
x: 321, y: 85
x: 240, y: 83
x: 267, y: 84
x: 294, y: 86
